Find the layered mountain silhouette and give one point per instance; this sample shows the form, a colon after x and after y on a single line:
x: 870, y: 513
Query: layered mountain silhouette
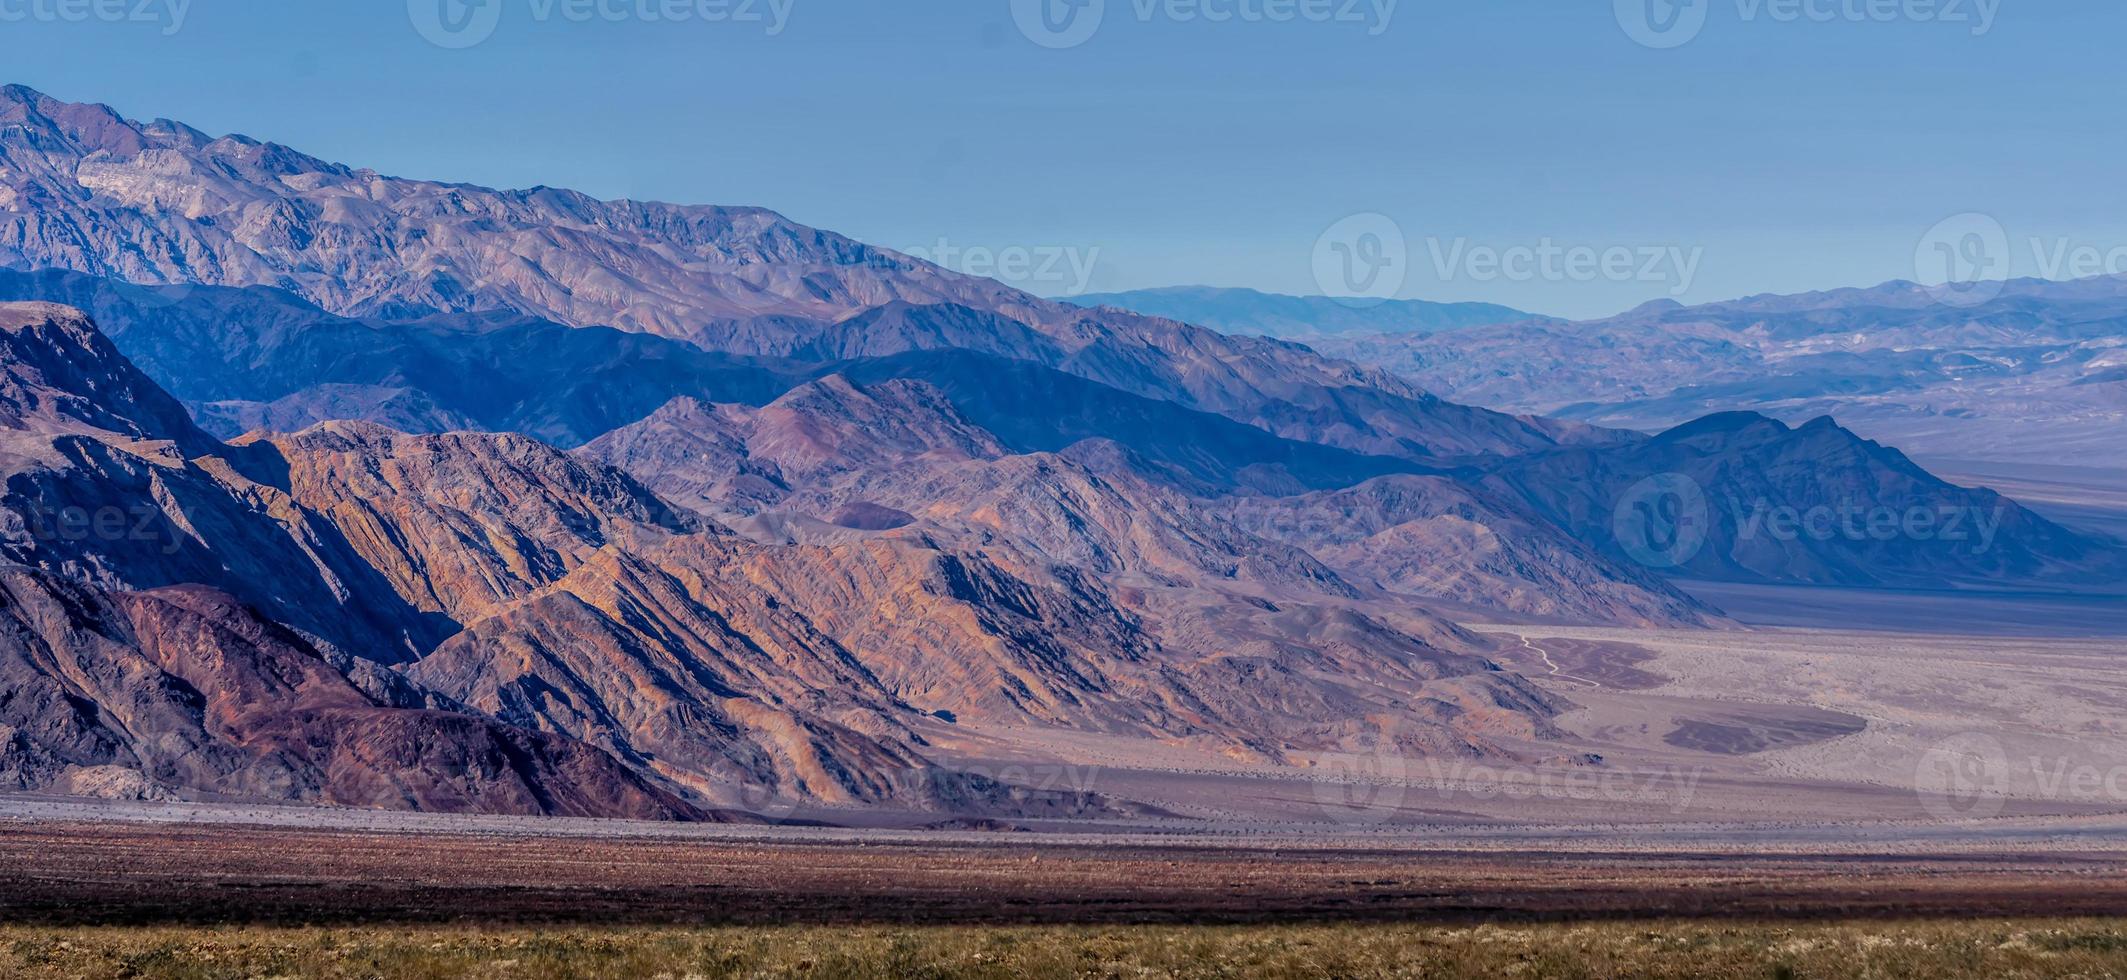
x: 884, y: 457
x: 1813, y: 504
x: 518, y: 589
x: 2034, y: 374
x: 634, y: 509
x: 263, y: 358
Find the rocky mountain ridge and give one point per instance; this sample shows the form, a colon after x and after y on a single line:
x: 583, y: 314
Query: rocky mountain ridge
x: 534, y: 591
x: 159, y: 203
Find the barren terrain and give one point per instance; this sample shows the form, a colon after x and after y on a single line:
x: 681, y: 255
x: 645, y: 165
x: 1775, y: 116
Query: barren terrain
x: 1775, y: 728
x: 122, y: 873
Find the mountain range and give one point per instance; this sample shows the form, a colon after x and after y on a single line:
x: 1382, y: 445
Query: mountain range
x: 493, y: 578
x: 692, y: 512
x: 2035, y: 374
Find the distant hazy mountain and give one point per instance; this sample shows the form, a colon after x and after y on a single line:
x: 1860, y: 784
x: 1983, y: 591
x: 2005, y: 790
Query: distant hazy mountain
x: 2037, y: 374
x: 1246, y: 312
x: 1756, y: 500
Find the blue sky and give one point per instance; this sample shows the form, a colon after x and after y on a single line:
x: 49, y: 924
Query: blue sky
x: 1771, y: 152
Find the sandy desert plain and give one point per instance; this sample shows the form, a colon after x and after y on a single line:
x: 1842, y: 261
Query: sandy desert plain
x: 1757, y: 747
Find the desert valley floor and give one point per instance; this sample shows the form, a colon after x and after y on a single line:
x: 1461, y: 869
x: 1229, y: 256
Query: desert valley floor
x: 1771, y: 774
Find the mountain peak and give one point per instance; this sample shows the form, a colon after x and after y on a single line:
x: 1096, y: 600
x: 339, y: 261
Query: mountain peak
x: 21, y: 316
x: 25, y: 97
x: 1655, y: 307
x: 79, y: 128
x: 59, y: 373
x: 1725, y: 424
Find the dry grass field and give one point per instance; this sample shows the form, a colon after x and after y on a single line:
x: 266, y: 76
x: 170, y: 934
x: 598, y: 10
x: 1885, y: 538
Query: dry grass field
x: 1932, y: 949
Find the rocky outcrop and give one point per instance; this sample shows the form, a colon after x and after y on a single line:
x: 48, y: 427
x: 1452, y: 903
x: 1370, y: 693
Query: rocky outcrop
x: 58, y: 374
x: 540, y: 591
x: 108, y: 481
x: 459, y: 524
x: 1433, y: 538
x: 902, y: 451
x: 184, y: 693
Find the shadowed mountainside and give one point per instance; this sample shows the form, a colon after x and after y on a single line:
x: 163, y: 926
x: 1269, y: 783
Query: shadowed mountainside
x: 1433, y: 537
x: 263, y: 358
x: 1756, y: 500
x: 183, y: 692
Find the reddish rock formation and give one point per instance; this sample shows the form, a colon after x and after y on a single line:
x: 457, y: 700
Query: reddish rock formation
x: 183, y: 693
